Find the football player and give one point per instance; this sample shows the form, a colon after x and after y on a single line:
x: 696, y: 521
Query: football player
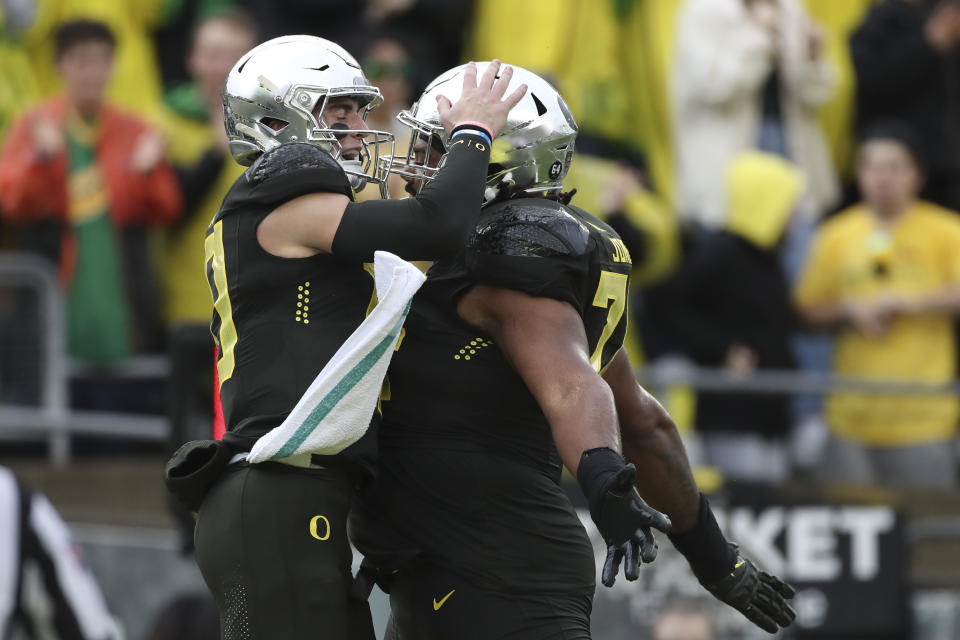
x: 512, y: 367
x: 285, y: 262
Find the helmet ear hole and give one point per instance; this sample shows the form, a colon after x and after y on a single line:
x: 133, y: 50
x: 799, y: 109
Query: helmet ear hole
x: 276, y: 124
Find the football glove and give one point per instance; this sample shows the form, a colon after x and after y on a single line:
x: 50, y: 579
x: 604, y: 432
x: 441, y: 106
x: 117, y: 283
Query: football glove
x: 625, y: 522
x: 761, y: 597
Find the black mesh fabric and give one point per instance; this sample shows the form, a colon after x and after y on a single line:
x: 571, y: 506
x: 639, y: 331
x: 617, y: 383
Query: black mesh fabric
x: 530, y: 228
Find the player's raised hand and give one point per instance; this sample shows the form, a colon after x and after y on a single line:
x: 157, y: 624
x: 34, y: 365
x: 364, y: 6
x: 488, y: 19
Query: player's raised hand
x: 626, y: 523
x: 481, y: 102
x: 759, y: 596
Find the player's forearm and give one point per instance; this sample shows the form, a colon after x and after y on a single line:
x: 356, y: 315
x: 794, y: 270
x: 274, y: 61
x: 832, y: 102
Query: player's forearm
x: 652, y: 443
x: 428, y: 227
x: 582, y: 417
x: 664, y: 479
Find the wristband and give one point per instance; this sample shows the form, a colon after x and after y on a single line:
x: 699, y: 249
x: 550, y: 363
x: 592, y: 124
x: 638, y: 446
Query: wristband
x: 596, y: 474
x: 710, y: 555
x: 474, y: 128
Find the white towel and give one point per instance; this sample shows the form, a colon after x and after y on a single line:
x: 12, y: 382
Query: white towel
x: 336, y: 410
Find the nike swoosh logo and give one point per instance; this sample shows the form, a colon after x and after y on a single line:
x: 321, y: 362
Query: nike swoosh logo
x: 437, y: 605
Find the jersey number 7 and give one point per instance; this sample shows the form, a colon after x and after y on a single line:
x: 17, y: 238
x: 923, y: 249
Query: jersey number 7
x: 612, y: 296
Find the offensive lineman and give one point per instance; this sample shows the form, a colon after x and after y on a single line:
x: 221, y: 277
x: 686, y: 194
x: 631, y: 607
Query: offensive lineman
x: 513, y: 363
x: 285, y: 258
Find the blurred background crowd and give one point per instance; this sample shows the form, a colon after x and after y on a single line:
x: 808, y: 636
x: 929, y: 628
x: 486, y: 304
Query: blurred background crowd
x: 784, y: 173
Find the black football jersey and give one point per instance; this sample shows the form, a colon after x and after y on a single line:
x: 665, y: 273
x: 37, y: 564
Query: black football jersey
x: 277, y: 321
x: 450, y: 386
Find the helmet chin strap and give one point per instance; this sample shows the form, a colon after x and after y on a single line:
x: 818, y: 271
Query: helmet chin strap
x: 354, y: 170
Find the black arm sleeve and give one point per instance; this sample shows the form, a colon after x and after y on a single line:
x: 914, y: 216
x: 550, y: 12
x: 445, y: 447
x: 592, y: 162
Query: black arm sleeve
x: 432, y: 225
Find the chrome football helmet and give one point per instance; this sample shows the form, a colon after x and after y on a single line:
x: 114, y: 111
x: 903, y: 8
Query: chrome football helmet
x: 290, y: 79
x: 530, y: 156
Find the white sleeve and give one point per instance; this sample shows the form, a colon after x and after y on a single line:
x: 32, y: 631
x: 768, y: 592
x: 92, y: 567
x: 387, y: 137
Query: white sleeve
x: 71, y: 596
x: 9, y: 547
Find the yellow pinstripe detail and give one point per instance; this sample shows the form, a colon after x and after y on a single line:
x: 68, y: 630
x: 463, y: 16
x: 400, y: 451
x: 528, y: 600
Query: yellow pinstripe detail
x: 213, y: 248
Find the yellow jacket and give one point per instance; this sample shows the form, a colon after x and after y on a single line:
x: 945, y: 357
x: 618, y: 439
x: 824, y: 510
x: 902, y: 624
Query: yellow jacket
x: 187, y: 297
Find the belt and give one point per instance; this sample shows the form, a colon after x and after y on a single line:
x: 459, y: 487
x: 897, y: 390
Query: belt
x: 302, y: 460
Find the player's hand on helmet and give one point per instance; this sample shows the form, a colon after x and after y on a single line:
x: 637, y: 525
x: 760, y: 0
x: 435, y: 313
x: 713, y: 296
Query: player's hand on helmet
x: 761, y: 597
x: 626, y: 522
x: 481, y: 102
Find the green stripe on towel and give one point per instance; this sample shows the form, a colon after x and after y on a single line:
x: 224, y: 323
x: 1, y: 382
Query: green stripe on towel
x: 342, y: 388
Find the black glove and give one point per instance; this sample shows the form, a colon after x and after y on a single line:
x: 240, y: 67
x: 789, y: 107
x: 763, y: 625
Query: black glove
x: 621, y: 515
x: 625, y: 522
x: 761, y: 597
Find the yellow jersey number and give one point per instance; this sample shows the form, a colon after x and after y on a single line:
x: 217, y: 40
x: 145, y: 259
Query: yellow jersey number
x: 612, y: 296
x: 227, y: 338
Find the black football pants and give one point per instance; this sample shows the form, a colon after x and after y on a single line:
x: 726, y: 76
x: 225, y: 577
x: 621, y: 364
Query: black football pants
x: 271, y: 543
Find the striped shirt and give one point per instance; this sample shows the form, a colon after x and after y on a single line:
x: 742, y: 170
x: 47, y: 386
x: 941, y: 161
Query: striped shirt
x: 44, y: 585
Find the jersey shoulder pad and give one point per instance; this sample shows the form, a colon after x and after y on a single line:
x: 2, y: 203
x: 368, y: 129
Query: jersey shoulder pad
x: 531, y: 227
x: 295, y: 169
x: 531, y: 245
x: 589, y: 219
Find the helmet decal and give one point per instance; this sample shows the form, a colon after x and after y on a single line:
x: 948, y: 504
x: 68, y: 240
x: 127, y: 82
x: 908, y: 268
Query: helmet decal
x: 556, y: 169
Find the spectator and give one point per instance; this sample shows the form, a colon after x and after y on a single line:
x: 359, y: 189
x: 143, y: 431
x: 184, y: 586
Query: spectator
x: 748, y: 74
x: 174, y: 37
x: 194, y: 124
x: 729, y: 306
x: 908, y: 68
x: 884, y: 276
x: 91, y: 179
x: 43, y: 581
x: 391, y: 68
x: 135, y: 79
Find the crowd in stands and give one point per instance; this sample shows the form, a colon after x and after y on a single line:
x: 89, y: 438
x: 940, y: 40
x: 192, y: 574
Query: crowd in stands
x: 775, y: 167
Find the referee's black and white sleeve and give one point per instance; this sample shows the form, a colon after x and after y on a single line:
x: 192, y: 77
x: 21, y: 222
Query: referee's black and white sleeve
x: 43, y: 581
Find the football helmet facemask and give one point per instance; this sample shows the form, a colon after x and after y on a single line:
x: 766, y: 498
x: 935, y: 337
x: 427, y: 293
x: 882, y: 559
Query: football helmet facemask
x: 291, y: 79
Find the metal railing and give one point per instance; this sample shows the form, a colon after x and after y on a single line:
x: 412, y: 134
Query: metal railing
x: 678, y: 373
x: 53, y: 419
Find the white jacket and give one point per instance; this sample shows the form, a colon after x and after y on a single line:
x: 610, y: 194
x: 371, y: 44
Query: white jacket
x: 722, y: 61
